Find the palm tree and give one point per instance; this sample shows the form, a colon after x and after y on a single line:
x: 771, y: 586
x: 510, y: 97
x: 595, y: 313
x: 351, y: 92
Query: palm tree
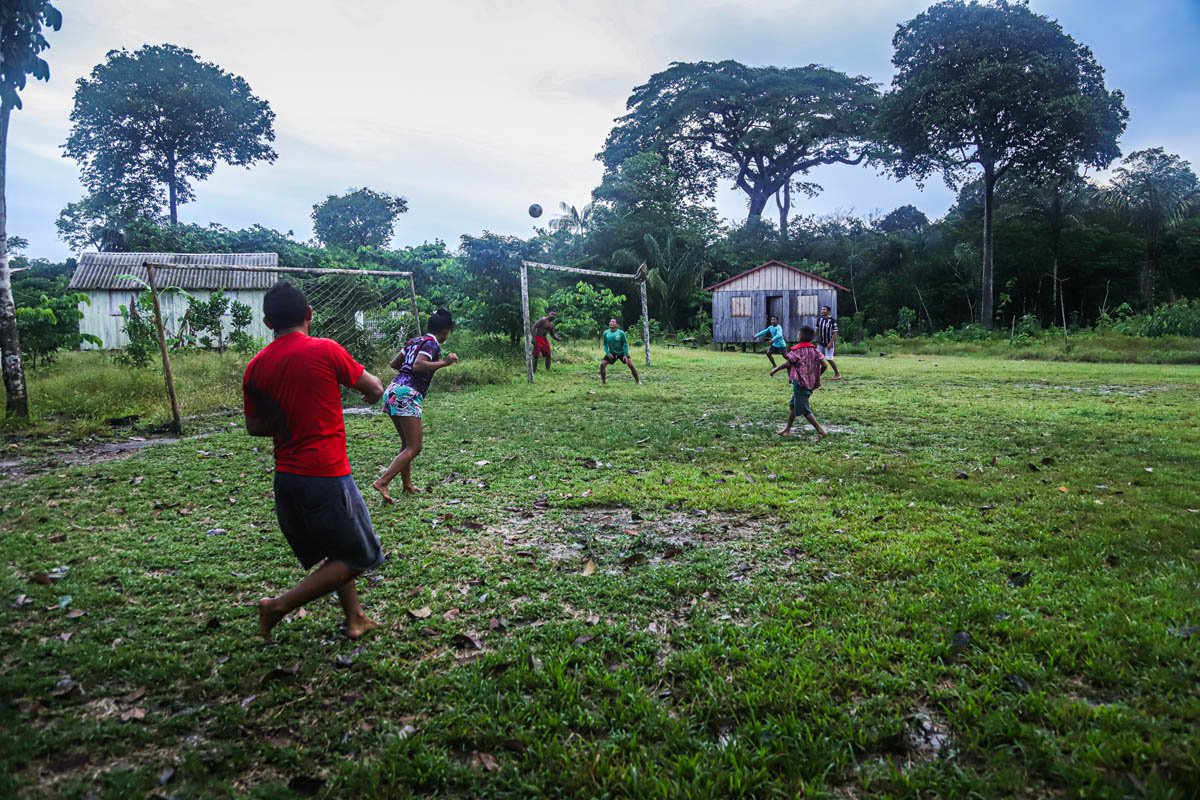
x: 1153, y: 190
x: 675, y: 271
x: 573, y: 220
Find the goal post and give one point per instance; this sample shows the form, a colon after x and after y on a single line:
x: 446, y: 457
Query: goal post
x: 639, y: 279
x: 365, y: 310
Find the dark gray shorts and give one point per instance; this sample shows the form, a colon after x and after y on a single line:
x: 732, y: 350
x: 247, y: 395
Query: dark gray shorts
x: 326, y: 518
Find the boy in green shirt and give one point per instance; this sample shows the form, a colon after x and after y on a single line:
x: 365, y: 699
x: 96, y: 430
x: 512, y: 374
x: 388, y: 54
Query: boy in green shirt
x: 616, y: 348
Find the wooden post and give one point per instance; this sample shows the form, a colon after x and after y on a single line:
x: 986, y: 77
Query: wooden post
x: 525, y: 321
x: 176, y: 421
x: 645, y: 319
x: 412, y: 289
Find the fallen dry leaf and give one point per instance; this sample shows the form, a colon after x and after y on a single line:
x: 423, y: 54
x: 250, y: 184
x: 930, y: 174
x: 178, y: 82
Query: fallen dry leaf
x: 584, y: 639
x: 484, y: 761
x: 589, y: 568
x: 133, y: 714
x: 452, y: 614
x: 467, y: 641
x: 424, y: 612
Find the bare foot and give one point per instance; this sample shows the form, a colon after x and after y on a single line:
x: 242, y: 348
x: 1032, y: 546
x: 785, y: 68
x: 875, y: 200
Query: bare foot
x: 360, y: 627
x: 383, y: 491
x: 821, y: 434
x: 410, y: 489
x: 838, y: 378
x: 267, y: 618
x: 785, y: 432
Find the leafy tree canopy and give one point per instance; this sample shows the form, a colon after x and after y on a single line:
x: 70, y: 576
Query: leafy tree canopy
x: 997, y: 86
x: 21, y: 43
x: 359, y: 218
x: 758, y: 127
x: 159, y: 118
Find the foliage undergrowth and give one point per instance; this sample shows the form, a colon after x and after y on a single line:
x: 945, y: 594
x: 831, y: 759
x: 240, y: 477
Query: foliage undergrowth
x: 1094, y: 346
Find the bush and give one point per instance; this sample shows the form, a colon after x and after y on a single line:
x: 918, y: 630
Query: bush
x: 1176, y: 319
x: 51, y: 326
x: 584, y: 310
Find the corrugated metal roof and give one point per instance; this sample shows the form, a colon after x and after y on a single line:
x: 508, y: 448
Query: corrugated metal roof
x: 774, y: 263
x: 100, y: 270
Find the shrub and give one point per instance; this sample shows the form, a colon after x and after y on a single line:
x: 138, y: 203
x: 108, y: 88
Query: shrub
x: 1176, y: 319
x: 50, y: 326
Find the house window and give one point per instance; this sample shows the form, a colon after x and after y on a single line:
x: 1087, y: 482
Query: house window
x: 806, y: 305
x: 739, y: 306
x: 231, y: 295
x: 116, y: 299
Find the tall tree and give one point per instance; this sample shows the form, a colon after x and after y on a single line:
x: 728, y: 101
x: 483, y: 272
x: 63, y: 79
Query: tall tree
x: 996, y: 86
x: 1153, y: 190
x: 759, y: 127
x: 359, y: 218
x: 160, y: 117
x: 21, y: 45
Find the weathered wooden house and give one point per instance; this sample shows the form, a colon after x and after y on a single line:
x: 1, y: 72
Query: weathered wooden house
x: 743, y: 305
x: 198, y: 274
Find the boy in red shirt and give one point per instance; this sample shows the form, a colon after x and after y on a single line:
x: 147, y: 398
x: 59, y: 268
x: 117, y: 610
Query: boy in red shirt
x: 804, y: 364
x: 292, y: 392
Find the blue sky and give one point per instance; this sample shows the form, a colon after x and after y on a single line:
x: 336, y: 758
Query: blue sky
x: 475, y: 109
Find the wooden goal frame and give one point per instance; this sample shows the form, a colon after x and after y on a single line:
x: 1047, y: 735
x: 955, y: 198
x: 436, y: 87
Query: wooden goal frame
x: 639, y: 278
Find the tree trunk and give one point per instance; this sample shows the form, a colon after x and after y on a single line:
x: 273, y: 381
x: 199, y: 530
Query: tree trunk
x: 1146, y: 279
x: 172, y: 194
x: 785, y: 208
x: 758, y: 203
x: 987, y: 299
x: 16, y: 402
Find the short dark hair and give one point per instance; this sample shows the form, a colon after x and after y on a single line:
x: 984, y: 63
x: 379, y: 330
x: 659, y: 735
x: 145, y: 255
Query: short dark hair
x: 441, y: 320
x: 827, y: 308
x: 285, y: 306
x: 807, y: 334
x: 551, y: 311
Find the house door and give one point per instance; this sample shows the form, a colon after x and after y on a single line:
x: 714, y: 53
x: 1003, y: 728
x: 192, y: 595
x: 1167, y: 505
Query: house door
x: 776, y: 308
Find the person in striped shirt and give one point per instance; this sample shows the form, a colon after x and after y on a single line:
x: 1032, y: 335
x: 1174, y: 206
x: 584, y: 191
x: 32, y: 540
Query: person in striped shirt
x: 827, y: 331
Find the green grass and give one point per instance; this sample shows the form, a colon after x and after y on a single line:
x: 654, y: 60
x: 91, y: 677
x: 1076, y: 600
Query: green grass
x: 768, y: 617
x: 1090, y: 346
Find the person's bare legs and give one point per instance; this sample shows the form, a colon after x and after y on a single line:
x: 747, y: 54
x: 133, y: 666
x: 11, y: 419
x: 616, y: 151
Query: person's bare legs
x: 603, y: 376
x: 771, y: 358
x: 547, y: 363
x: 411, y: 435
x: 821, y: 433
x: 633, y: 369
x: 787, y: 429
x: 837, y: 376
x: 357, y: 623
x: 326, y: 578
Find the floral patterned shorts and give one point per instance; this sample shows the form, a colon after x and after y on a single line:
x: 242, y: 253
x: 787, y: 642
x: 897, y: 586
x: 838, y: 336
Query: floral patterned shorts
x: 402, y: 401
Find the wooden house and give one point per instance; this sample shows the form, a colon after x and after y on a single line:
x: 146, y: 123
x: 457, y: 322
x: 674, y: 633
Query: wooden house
x: 198, y: 274
x: 743, y: 305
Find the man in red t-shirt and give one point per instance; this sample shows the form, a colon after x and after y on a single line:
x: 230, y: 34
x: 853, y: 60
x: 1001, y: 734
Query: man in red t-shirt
x: 292, y: 393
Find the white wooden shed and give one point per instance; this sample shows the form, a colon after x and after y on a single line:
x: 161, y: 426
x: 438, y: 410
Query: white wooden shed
x: 198, y: 274
x: 743, y: 305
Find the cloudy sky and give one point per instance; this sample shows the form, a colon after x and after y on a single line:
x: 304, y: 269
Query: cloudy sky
x: 473, y: 109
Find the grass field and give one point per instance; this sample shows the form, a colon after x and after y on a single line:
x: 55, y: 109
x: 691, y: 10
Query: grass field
x: 984, y: 583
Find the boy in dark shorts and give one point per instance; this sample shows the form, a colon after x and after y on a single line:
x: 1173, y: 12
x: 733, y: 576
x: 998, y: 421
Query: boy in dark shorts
x: 804, y: 364
x: 778, y: 346
x: 292, y: 392
x: 616, y: 348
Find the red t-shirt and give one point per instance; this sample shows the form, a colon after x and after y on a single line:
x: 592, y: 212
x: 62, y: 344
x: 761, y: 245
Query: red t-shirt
x: 294, y: 382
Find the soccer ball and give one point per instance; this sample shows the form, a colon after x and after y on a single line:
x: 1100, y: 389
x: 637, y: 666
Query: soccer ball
x: 535, y: 211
